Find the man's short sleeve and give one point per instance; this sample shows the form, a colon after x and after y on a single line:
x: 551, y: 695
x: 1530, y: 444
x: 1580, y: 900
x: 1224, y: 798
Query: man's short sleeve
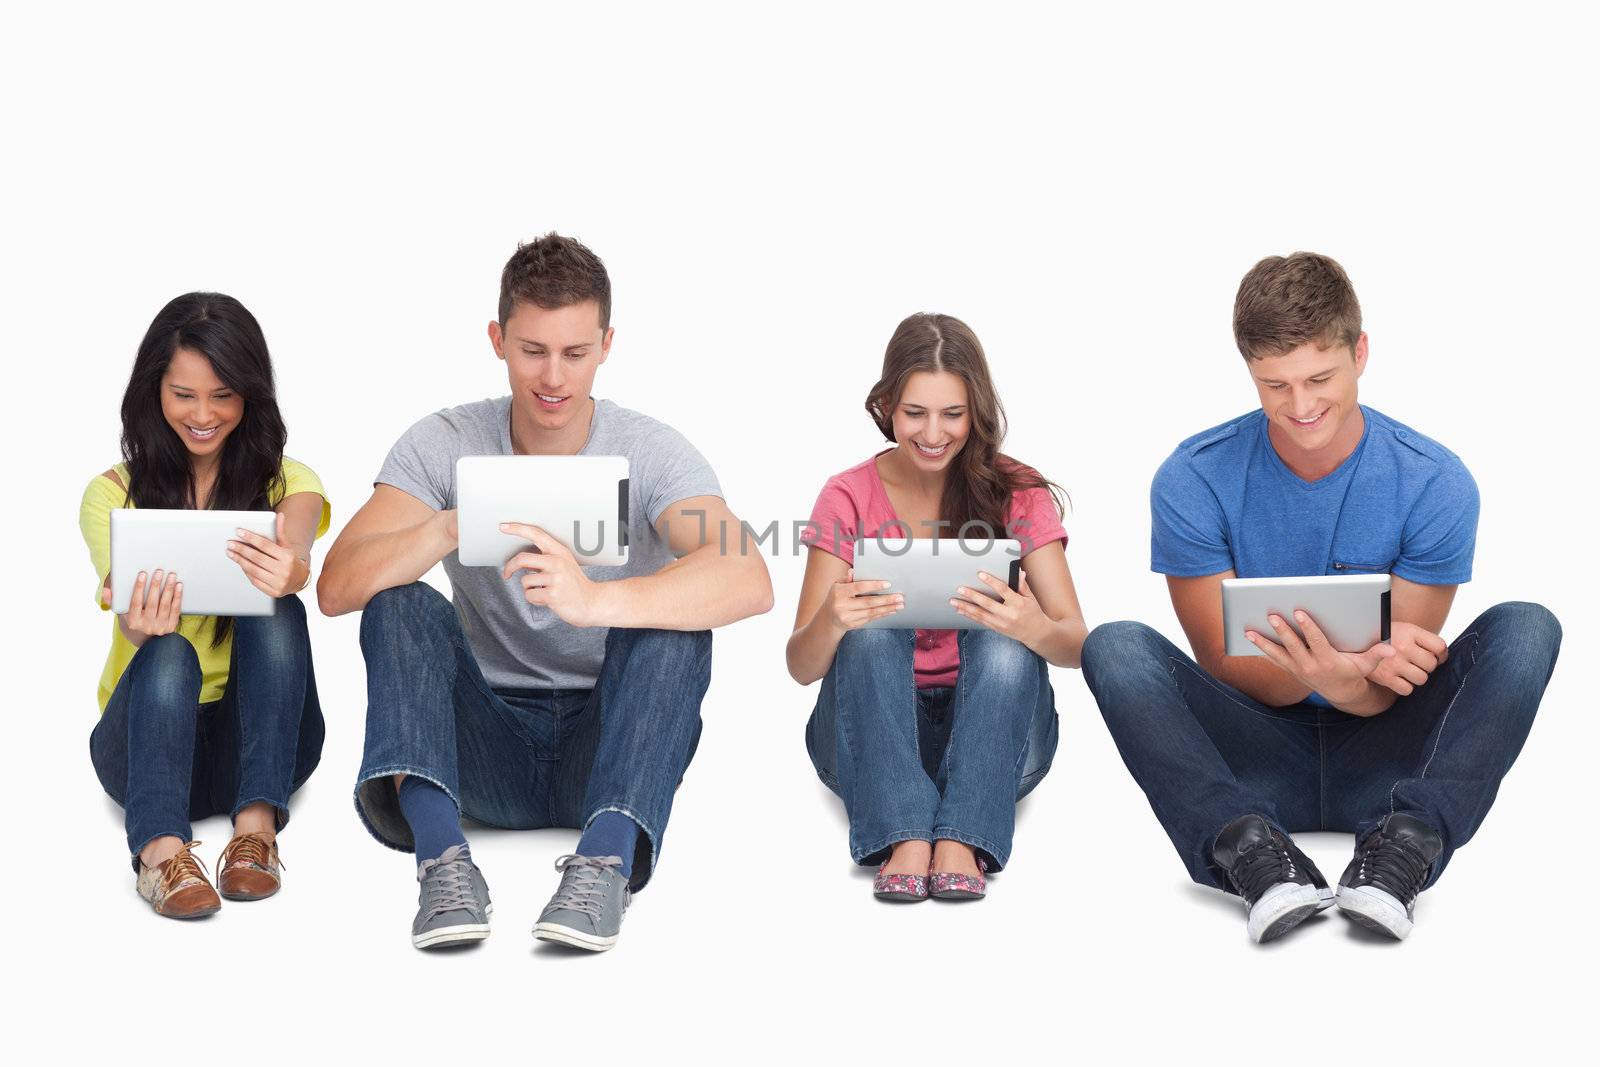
x: 1437, y: 541
x: 422, y: 463
x: 1188, y: 531
x: 667, y: 469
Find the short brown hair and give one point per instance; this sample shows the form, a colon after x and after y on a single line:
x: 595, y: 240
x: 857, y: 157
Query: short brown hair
x: 1287, y: 301
x: 554, y: 272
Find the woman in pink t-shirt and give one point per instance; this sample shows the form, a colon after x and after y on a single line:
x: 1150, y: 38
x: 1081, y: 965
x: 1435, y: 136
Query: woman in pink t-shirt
x: 931, y: 736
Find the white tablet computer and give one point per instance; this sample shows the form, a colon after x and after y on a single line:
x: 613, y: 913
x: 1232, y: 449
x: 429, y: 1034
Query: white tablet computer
x: 1351, y: 609
x: 927, y: 571
x: 581, y: 501
x: 193, y: 545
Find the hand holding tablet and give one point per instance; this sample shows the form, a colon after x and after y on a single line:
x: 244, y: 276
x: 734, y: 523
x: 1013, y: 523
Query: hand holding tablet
x: 581, y: 501
x: 930, y: 572
x: 151, y: 548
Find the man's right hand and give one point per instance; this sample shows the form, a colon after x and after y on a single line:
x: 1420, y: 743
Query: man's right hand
x: 847, y: 609
x: 1418, y: 653
x: 155, y: 608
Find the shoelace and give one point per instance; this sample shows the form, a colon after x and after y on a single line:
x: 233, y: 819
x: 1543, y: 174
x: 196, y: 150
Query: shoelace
x: 452, y: 885
x: 1262, y: 867
x: 582, y: 883
x: 183, y: 866
x: 1396, y: 867
x: 254, y: 849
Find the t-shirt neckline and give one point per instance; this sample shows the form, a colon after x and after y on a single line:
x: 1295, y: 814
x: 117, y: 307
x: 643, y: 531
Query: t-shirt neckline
x: 507, y: 448
x: 1333, y: 477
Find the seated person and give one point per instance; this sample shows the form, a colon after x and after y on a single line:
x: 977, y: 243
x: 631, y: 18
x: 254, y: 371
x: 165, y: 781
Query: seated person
x: 180, y: 694
x: 1390, y: 743
x: 931, y: 737
x: 550, y: 694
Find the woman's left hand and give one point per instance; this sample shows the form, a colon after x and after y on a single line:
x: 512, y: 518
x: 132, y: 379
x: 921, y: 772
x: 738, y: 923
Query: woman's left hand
x: 271, y: 566
x: 1016, y: 614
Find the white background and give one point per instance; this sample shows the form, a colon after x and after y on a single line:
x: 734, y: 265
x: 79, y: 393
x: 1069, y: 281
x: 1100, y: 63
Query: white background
x: 772, y: 191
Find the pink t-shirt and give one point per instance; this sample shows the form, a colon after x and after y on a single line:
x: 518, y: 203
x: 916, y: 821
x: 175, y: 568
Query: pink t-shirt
x: 854, y: 504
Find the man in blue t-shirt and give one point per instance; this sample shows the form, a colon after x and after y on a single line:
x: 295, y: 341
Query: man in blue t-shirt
x: 1391, y: 743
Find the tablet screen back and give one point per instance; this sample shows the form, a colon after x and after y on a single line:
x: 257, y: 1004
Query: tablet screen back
x: 194, y: 545
x: 927, y: 571
x: 1351, y: 610
x: 581, y: 501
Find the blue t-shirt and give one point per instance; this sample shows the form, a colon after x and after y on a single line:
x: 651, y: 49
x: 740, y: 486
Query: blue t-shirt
x: 1400, y: 504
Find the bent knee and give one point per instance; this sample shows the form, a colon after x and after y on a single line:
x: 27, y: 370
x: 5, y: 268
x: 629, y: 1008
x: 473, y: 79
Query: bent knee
x: 402, y: 605
x: 1111, y: 642
x: 170, y: 666
x: 1531, y: 629
x: 874, y: 642
x: 997, y: 654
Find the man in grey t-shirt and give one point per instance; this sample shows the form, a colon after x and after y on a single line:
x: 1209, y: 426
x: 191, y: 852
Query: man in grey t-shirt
x: 550, y: 694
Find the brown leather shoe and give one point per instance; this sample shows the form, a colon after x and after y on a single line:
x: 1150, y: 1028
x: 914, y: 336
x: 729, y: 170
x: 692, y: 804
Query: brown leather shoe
x: 249, y: 867
x: 178, y: 888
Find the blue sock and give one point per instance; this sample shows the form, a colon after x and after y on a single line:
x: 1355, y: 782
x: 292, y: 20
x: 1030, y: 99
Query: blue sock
x: 432, y: 815
x: 611, y: 834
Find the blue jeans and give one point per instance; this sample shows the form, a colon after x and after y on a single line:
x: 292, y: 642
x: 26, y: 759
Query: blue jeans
x: 931, y: 764
x: 168, y: 759
x: 524, y: 759
x: 1205, y: 754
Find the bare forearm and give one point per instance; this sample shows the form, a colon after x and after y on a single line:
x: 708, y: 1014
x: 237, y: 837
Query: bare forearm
x: 812, y: 647
x: 357, y: 570
x: 701, y: 591
x: 1375, y: 700
x: 1259, y: 679
x: 1061, y: 643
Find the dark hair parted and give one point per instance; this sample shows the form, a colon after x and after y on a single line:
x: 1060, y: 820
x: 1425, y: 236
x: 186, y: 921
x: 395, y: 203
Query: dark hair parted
x: 981, y: 478
x: 1287, y: 301
x: 554, y: 272
x: 160, y: 475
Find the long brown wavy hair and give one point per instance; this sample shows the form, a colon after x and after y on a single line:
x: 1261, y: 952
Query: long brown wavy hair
x: 980, y: 482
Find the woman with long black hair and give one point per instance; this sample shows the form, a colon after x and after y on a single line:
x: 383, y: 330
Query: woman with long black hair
x: 203, y: 715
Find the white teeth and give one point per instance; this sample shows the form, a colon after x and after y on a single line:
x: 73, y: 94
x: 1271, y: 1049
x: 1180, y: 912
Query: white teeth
x: 197, y: 432
x: 926, y: 451
x: 1308, y: 422
x: 549, y: 399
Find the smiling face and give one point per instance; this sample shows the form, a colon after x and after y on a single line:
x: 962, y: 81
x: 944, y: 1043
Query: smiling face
x: 931, y: 420
x: 1309, y: 397
x: 201, y: 410
x: 551, y: 355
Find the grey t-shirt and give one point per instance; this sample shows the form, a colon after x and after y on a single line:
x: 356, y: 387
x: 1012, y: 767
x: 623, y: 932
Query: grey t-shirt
x: 518, y: 645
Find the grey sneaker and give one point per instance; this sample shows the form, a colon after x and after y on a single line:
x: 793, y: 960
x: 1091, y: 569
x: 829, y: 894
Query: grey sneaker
x: 453, y: 904
x: 586, y: 911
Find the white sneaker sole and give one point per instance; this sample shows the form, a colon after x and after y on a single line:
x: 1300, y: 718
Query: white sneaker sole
x: 449, y: 935
x: 566, y: 935
x: 1281, y: 909
x: 1376, y: 910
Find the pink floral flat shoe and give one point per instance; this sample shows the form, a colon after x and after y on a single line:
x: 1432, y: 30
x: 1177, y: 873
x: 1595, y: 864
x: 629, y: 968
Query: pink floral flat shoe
x: 947, y: 886
x: 900, y: 888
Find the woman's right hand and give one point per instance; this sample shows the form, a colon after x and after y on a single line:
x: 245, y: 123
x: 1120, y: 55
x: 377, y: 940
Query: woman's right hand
x: 154, y: 609
x: 847, y: 609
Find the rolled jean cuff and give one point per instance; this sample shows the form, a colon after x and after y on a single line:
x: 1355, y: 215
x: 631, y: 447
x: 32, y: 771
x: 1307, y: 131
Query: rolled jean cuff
x: 866, y: 857
x: 994, y: 856
x: 378, y: 804
x: 644, y: 854
x: 280, y: 809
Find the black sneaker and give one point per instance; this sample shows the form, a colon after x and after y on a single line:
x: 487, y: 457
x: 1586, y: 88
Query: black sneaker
x: 1379, y: 889
x: 1280, y: 886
